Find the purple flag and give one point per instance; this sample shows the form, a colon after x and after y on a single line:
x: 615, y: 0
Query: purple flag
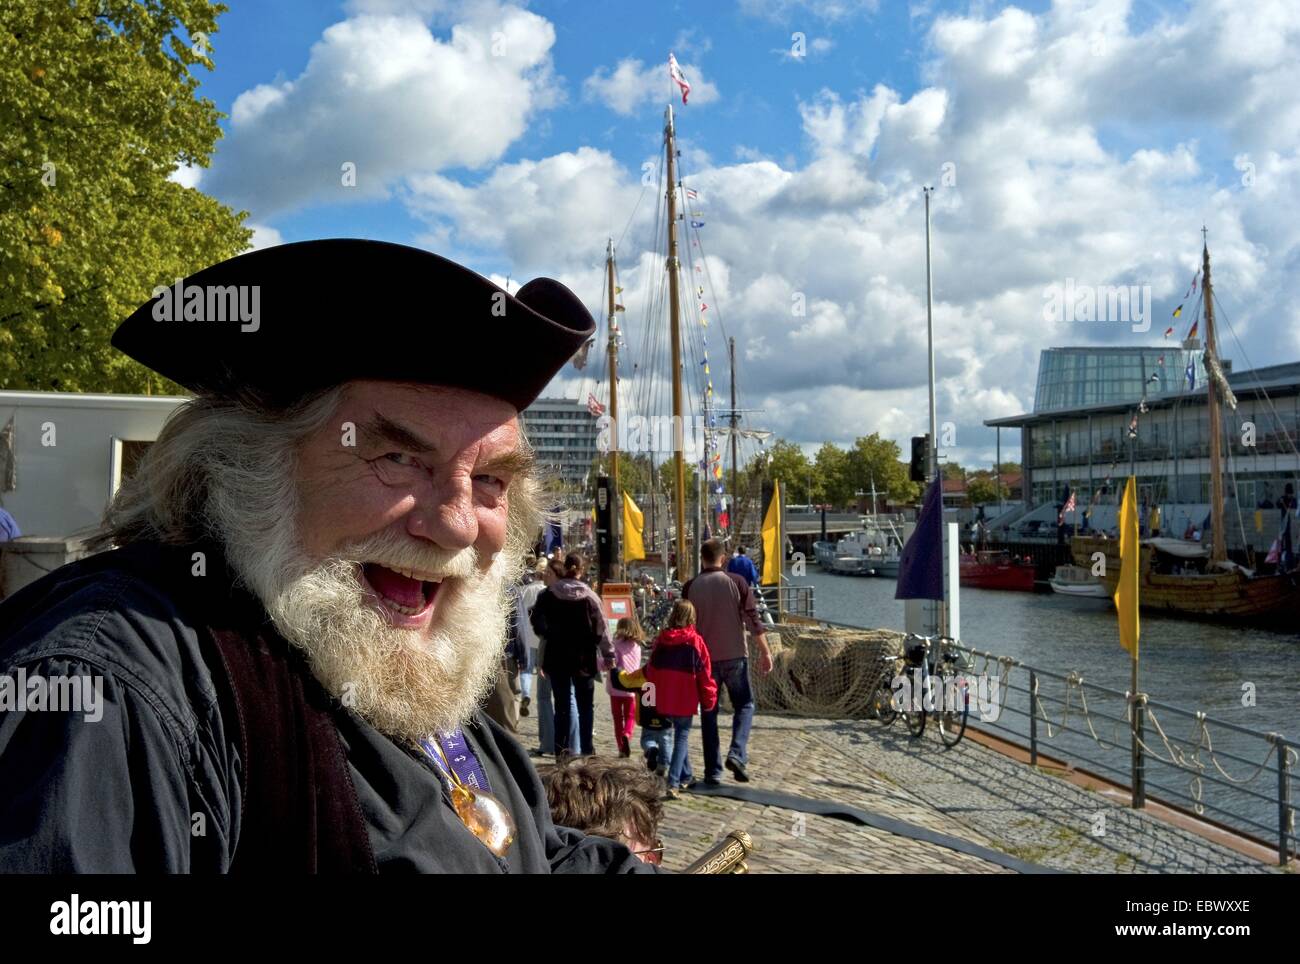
x: 920, y: 570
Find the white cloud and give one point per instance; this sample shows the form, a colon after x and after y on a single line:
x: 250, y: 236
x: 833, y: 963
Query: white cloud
x: 264, y: 236
x: 386, y: 94
x: 1054, y: 170
x: 632, y: 83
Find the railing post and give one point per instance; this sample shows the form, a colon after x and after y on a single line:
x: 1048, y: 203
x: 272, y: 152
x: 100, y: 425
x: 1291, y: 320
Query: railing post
x: 1139, y: 763
x: 1033, y: 718
x: 1283, y: 802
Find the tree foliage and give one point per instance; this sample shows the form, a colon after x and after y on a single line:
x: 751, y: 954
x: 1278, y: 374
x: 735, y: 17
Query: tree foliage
x: 98, y: 107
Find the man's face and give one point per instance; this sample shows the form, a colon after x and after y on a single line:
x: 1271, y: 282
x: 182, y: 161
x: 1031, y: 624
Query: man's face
x: 426, y: 479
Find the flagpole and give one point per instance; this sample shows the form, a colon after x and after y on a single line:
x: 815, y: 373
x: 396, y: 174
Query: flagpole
x: 938, y: 621
x: 614, y: 512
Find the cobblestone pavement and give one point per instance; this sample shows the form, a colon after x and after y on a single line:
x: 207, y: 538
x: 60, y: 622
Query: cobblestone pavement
x: 970, y: 792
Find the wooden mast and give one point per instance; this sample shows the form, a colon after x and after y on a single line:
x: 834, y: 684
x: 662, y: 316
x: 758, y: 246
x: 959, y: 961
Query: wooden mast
x: 616, y: 493
x: 732, y: 517
x: 1218, y: 550
x: 674, y: 312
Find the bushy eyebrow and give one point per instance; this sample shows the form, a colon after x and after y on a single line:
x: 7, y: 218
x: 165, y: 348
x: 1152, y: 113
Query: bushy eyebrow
x: 518, y: 462
x: 381, y: 428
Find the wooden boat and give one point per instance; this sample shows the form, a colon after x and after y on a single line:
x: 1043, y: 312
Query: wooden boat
x: 1197, y: 587
x: 1077, y: 581
x: 995, y: 570
x: 1179, y: 576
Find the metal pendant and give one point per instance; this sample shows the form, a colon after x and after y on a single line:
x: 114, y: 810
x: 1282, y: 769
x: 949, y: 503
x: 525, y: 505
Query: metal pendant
x: 485, y: 817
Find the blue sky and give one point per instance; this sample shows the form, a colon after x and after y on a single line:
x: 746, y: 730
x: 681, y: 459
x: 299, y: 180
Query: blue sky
x: 1090, y: 140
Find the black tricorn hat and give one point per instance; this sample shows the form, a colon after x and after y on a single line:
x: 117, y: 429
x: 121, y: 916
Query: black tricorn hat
x: 292, y: 319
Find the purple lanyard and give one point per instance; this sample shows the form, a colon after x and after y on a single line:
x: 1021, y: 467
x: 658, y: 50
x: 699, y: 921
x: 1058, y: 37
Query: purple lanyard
x: 462, y: 759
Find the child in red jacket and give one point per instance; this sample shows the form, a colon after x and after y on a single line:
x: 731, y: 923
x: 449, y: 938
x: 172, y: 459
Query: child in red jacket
x: 676, y: 682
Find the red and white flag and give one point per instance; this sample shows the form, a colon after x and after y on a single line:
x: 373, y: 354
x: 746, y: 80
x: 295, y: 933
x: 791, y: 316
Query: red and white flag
x: 1069, y: 503
x: 675, y: 72
x: 593, y: 406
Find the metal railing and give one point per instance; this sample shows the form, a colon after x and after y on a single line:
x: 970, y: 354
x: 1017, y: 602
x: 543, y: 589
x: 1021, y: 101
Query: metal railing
x: 795, y: 601
x: 1141, y: 728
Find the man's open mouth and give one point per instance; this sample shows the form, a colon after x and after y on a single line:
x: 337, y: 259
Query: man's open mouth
x: 404, y: 592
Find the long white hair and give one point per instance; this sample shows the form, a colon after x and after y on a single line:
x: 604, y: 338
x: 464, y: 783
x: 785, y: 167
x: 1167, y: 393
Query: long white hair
x: 226, y: 469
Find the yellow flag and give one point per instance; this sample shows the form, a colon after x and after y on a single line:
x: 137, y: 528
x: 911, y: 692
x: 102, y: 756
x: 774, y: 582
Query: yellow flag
x: 1130, y: 548
x: 772, y: 540
x: 1259, y: 520
x: 633, y: 525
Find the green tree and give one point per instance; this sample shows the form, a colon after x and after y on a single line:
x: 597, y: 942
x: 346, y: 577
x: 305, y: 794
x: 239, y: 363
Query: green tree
x: 787, y: 462
x: 980, y: 489
x: 98, y: 107
x: 873, y: 458
x: 831, y: 470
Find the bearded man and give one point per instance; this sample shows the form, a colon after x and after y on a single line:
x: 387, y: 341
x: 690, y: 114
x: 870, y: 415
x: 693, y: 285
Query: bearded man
x: 302, y: 596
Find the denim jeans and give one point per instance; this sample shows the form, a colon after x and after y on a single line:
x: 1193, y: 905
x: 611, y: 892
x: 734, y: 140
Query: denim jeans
x: 734, y: 675
x: 679, y: 770
x: 546, y: 716
x: 565, y: 688
x: 663, y: 740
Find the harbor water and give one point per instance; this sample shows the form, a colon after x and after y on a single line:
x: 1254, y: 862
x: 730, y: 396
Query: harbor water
x: 1246, y: 676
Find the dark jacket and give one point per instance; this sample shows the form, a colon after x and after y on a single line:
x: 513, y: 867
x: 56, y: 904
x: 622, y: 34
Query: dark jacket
x: 569, y: 616
x: 159, y: 783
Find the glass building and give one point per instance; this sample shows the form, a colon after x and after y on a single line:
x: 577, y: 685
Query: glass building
x: 1095, y: 444
x: 1077, y: 377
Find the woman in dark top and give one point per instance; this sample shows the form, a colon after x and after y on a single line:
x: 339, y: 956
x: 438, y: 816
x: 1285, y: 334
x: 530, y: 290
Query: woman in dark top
x: 568, y: 615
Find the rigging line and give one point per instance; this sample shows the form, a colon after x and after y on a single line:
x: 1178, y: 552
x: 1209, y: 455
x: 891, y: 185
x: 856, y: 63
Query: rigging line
x: 1259, y: 384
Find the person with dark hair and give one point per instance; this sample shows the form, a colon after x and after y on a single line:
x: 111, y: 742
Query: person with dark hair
x: 727, y: 608
x: 608, y: 798
x: 551, y: 572
x: 569, y: 615
x: 744, y: 566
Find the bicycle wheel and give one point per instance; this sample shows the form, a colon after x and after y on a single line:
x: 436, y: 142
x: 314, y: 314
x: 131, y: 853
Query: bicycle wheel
x: 885, y: 711
x: 954, y: 709
x: 915, y: 720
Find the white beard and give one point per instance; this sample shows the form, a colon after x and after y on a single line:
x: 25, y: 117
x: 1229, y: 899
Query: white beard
x: 407, y: 683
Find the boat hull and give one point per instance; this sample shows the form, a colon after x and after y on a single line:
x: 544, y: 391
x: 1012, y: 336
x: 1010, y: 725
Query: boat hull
x: 997, y: 575
x: 1228, y: 595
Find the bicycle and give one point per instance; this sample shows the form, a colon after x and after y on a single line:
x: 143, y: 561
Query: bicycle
x: 912, y: 710
x: 946, y: 673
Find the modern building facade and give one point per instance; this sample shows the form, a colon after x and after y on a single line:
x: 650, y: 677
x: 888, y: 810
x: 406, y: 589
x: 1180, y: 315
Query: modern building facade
x: 563, y: 434
x: 1092, y: 427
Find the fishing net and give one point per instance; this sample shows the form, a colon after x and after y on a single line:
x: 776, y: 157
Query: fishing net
x: 824, y: 672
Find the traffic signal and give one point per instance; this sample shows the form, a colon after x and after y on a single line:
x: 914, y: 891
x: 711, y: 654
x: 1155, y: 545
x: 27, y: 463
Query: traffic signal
x: 920, y: 458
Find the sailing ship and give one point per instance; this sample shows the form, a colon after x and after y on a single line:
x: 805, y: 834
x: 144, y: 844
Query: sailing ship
x: 698, y: 425
x: 1177, y: 576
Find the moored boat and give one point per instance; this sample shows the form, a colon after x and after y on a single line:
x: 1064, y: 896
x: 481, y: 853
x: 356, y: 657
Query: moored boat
x: 993, y: 569
x: 1078, y: 581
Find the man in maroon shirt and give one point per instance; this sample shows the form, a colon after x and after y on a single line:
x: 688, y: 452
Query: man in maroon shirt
x: 726, y: 608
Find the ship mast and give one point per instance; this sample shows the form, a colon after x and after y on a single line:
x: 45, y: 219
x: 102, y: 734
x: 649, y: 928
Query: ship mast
x: 1218, y: 551
x: 615, y: 492
x: 674, y: 312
